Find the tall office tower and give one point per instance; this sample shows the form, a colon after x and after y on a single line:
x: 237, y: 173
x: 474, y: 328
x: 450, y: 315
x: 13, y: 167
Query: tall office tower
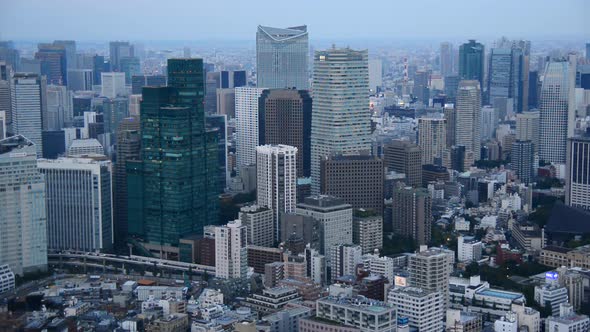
x: 432, y: 139
x: 471, y: 61
x: 344, y: 259
x: 226, y: 102
x: 231, y: 256
x: 247, y: 124
x: 577, y: 191
x: 218, y: 124
x: 139, y: 81
x: 412, y: 213
x: 27, y: 96
x: 10, y: 55
x: 117, y: 51
x: 276, y: 180
x: 23, y: 222
x: 334, y: 218
x: 5, y: 104
x: 587, y: 52
x: 430, y: 270
x: 233, y: 79
x: 282, y: 57
x: 451, y: 87
x: 527, y: 127
x: 451, y: 118
x: 341, y: 121
x: 79, y: 203
x: 446, y: 59
x: 186, y: 52
x: 70, y: 48
x: 59, y: 110
x: 259, y: 222
x: 80, y: 79
x: 114, y: 111
x: 421, y: 86
x: 285, y: 118
x: 128, y: 148
x: 488, y: 122
x: 357, y: 179
x: 404, y: 157
x: 53, y: 63
x: 557, y: 113
x: 534, y: 89
x: 212, y: 83
x: 508, y: 73
x: 468, y: 113
x: 131, y: 66
x: 99, y: 66
x: 375, y: 74
x: 3, y: 133
x: 522, y: 156
x: 187, y: 168
x: 113, y: 84
x: 134, y: 105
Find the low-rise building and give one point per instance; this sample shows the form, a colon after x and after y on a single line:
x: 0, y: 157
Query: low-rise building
x: 358, y: 312
x: 468, y: 249
x: 554, y: 256
x: 272, y: 299
x: 315, y: 324
x: 567, y: 321
x: 286, y: 320
x: 170, y: 323
x: 6, y: 279
x: 527, y: 317
x: 158, y: 292
x: 423, y: 308
x: 551, y: 295
x: 507, y: 323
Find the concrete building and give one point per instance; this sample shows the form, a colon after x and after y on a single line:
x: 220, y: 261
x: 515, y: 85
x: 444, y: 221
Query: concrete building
x: 527, y: 317
x: 259, y: 223
x: 367, y: 231
x: 286, y: 320
x: 412, y: 213
x: 357, y: 311
x: 488, y: 123
x: 468, y: 113
x: 282, y: 57
x: 551, y: 296
x: 80, y: 147
x: 463, y: 321
x: 432, y: 139
x: 567, y: 321
x: 226, y: 102
x: 522, y: 156
x: 423, y: 308
x: 451, y: 117
x: 357, y: 179
x: 430, y: 269
x: 344, y: 259
x: 375, y: 74
x: 231, y: 257
x: 313, y: 324
x: 446, y: 59
x: 404, y: 157
x: 79, y: 203
x: 113, y: 84
x: 527, y: 127
x: 6, y: 279
x: 468, y: 249
x: 59, y: 108
x: 577, y: 172
x: 276, y: 181
x: 80, y: 79
x: 272, y: 300
x: 28, y: 107
x: 23, y: 221
x: 339, y: 126
x: 507, y: 323
x: 247, y: 131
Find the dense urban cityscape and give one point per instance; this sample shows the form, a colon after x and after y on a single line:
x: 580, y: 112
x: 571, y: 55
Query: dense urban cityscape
x: 288, y: 183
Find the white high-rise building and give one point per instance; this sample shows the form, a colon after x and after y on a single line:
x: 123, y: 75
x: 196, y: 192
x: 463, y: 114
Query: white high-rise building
x: 282, y: 57
x: 468, y: 249
x: 430, y: 269
x: 577, y: 192
x: 246, y: 125
x: 79, y: 203
x: 557, y: 111
x: 28, y: 107
x: 113, y: 84
x: 423, y: 308
x: 432, y: 139
x: 468, y: 112
x: 527, y: 127
x: 488, y: 122
x: 23, y: 221
x: 231, y: 256
x: 134, y: 105
x: 276, y: 180
x: 3, y: 121
x: 341, y: 122
x: 259, y: 222
x: 375, y: 74
x: 344, y: 259
x: 59, y: 107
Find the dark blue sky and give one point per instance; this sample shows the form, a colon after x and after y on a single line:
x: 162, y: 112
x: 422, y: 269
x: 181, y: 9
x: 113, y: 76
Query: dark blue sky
x: 327, y: 19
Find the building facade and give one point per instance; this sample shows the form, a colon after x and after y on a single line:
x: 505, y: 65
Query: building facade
x: 468, y: 113
x: 412, y: 213
x: 577, y: 191
x: 247, y: 130
x: 404, y: 157
x: 432, y: 139
x: 231, y: 257
x: 27, y: 96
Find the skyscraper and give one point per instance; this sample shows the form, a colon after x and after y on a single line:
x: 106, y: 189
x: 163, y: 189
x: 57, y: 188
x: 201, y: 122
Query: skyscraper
x: 468, y: 112
x: 282, y: 57
x: 577, y: 191
x: 99, y: 66
x: 508, y: 73
x: 522, y: 155
x: 80, y: 79
x: 412, y: 213
x: 139, y: 81
x: 421, y: 86
x: 79, y: 204
x: 70, y: 47
x: 131, y: 66
x: 186, y: 167
x: 557, y: 113
x: 247, y: 124
x: 527, y: 127
x: 341, y: 122
x: 117, y: 51
x: 113, y: 84
x: 5, y: 104
x: 59, y: 108
x: 451, y: 119
x: 471, y: 61
x: 488, y: 123
x: 285, y: 118
x: 430, y: 270
x: 23, y: 221
x: 28, y: 106
x: 53, y: 63
x: 375, y: 74
x: 231, y: 257
x: 432, y: 139
x: 276, y: 180
x: 446, y: 59
x: 404, y: 157
x: 128, y: 148
x: 2, y: 125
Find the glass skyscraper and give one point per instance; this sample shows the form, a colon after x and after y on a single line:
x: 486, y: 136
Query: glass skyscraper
x: 471, y: 61
x: 173, y: 190
x: 341, y: 120
x: 282, y: 57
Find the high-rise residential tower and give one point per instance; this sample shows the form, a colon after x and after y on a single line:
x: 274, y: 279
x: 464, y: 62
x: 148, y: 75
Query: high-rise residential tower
x: 432, y: 139
x: 577, y: 191
x: 404, y: 157
x: 412, y: 213
x: 522, y: 155
x: 79, y: 203
x: 247, y: 131
x: 28, y: 106
x: 471, y: 61
x: 446, y: 59
x: 231, y: 256
x: 341, y: 121
x: 276, y: 180
x: 557, y: 113
x: 285, y: 118
x: 468, y: 113
x: 527, y: 127
x: 23, y: 220
x: 430, y: 269
x: 282, y: 57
